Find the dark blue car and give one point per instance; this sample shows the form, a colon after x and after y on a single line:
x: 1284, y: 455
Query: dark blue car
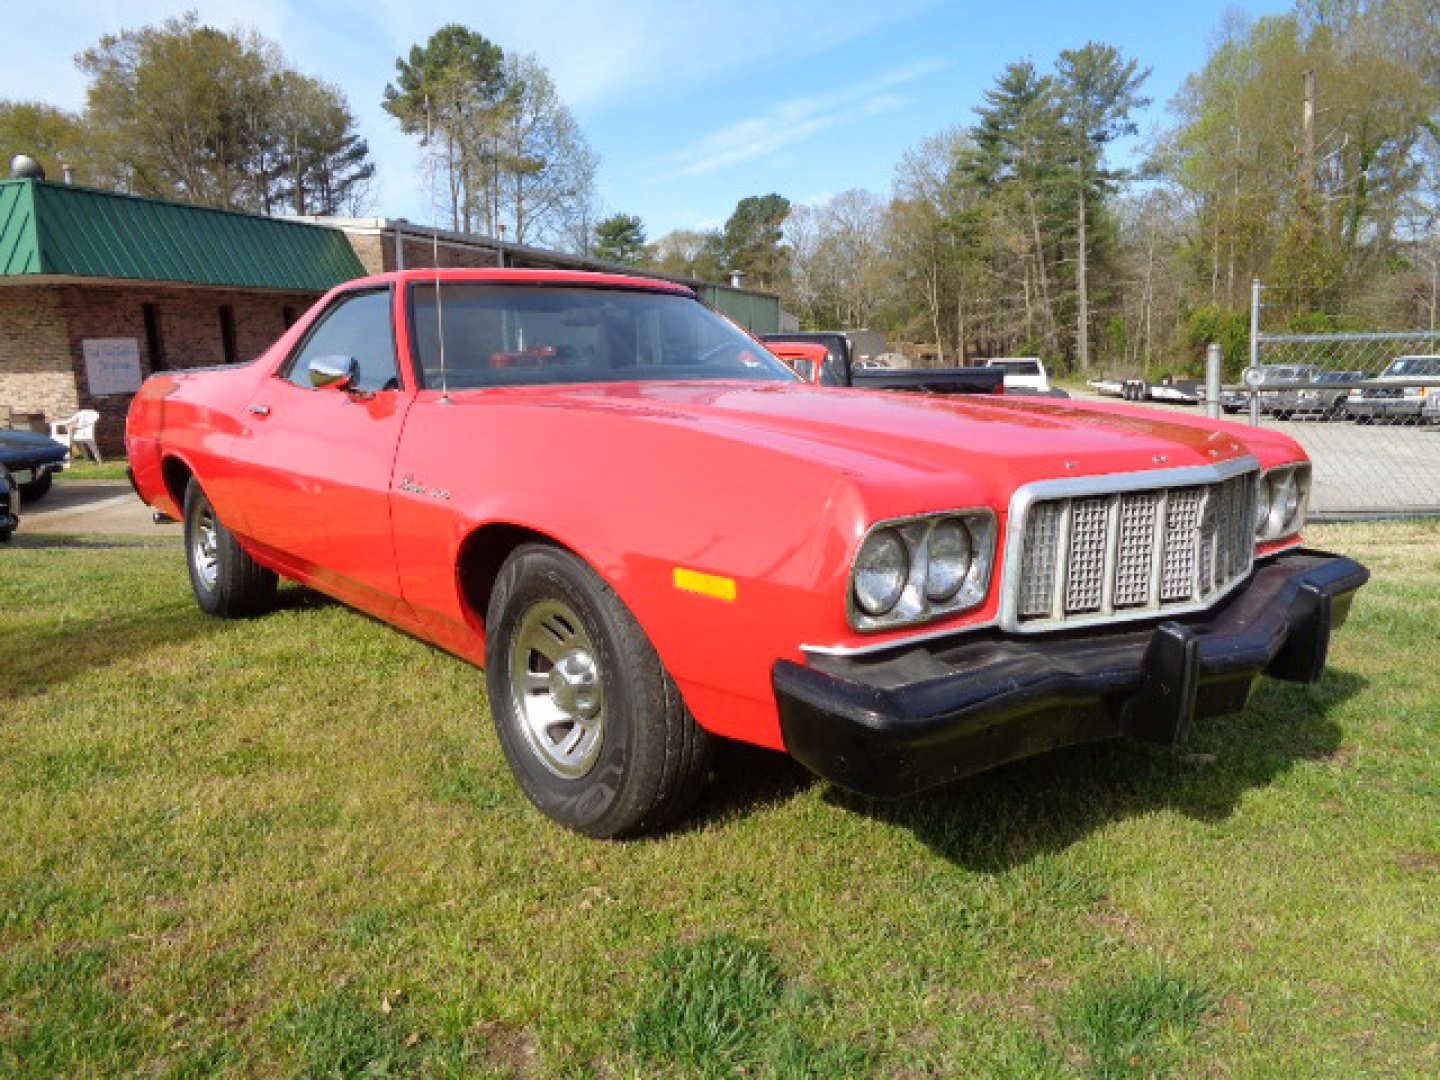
x: 32, y: 459
x: 9, y: 504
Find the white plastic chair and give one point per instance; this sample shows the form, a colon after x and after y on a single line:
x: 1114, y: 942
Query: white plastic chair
x: 78, y: 430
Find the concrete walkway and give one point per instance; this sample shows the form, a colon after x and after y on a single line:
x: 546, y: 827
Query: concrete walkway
x: 108, y: 507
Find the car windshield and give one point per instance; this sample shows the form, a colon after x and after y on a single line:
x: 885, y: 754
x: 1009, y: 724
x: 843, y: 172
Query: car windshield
x: 1415, y: 366
x: 516, y: 335
x: 1018, y: 367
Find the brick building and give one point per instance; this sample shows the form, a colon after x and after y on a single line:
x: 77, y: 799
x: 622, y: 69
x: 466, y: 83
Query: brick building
x: 100, y: 289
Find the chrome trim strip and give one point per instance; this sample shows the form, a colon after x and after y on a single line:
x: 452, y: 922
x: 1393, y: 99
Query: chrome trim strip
x: 1291, y: 546
x: 1112, y: 555
x: 896, y: 643
x: 1106, y: 484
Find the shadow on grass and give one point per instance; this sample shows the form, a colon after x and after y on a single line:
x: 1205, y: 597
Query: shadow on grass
x: 38, y: 659
x: 1008, y: 816
x: 293, y: 597
x: 744, y: 779
x: 41, y: 540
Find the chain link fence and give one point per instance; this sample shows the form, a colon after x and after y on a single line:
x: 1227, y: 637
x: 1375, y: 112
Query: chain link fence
x: 1366, y: 407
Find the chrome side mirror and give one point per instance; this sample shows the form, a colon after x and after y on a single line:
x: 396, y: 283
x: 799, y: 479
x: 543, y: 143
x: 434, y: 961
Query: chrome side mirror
x: 333, y: 372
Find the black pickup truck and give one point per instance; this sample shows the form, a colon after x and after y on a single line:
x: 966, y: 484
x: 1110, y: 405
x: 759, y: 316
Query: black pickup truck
x: 839, y: 369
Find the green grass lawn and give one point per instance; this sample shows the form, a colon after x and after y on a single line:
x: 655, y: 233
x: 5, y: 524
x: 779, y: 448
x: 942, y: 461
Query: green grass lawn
x: 82, y: 468
x: 290, y: 847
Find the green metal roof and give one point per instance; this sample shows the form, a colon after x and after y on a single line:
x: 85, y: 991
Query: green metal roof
x: 50, y: 228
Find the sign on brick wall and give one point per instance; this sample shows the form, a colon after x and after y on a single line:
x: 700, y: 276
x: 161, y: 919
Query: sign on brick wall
x: 112, y: 365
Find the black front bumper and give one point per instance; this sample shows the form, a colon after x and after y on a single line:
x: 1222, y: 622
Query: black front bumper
x: 910, y: 718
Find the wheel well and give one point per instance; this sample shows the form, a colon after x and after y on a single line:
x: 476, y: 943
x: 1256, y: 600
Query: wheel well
x: 481, y: 556
x: 177, y: 477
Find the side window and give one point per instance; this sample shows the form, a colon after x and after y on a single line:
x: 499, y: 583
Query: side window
x: 832, y: 372
x: 358, y: 326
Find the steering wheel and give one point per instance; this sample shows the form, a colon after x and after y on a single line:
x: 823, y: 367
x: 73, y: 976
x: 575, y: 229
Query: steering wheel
x: 714, y: 350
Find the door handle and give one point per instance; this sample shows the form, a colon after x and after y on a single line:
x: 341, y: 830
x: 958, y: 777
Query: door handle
x: 260, y: 410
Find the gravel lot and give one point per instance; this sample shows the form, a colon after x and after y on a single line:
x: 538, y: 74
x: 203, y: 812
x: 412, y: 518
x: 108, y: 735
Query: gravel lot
x: 97, y: 507
x: 1375, y: 469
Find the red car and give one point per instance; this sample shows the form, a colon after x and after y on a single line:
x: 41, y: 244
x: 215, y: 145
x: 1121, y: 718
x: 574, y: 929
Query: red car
x: 802, y: 357
x: 650, y: 534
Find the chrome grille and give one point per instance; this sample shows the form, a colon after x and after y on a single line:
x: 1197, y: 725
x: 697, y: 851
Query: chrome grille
x: 1130, y: 553
x: 1138, y: 512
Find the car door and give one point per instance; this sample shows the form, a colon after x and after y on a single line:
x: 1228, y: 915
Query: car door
x: 320, y: 459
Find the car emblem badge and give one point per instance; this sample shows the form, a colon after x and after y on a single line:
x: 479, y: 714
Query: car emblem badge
x: 407, y: 483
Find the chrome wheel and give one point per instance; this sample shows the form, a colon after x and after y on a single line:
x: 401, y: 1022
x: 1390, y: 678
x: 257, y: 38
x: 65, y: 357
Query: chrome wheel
x: 204, y: 549
x: 557, y: 689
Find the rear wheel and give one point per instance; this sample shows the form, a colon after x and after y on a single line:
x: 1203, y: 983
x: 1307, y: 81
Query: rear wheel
x: 36, y: 488
x: 226, y: 581
x: 592, y: 725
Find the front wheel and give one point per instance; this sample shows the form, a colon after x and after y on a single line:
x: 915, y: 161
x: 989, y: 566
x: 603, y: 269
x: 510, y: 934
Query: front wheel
x: 226, y: 581
x: 592, y: 725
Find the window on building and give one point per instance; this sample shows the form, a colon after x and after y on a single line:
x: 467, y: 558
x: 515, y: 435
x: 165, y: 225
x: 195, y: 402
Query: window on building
x: 227, y: 334
x: 154, y: 342
x: 291, y: 316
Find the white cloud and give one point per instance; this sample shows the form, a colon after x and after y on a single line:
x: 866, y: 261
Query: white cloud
x: 792, y: 121
x: 602, y: 51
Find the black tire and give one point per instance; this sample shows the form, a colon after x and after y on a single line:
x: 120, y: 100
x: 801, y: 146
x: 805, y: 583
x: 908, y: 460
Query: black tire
x: 1363, y: 419
x: 5, y: 535
x: 644, y: 758
x: 233, y: 585
x: 37, y: 488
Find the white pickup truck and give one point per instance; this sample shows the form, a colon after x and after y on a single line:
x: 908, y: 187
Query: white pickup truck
x: 1023, y: 374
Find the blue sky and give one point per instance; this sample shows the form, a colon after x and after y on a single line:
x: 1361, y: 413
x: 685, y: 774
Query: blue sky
x: 691, y: 107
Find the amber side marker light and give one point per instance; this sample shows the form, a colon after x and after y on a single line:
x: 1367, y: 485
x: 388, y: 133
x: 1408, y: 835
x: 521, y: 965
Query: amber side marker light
x: 721, y: 588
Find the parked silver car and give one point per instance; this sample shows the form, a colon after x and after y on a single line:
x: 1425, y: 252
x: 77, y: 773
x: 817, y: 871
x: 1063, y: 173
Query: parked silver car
x: 1400, y: 401
x: 1233, y: 401
x: 1324, y: 395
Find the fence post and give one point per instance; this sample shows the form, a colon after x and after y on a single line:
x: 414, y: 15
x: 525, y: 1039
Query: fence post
x: 1214, y: 355
x: 1255, y: 345
x: 1255, y: 322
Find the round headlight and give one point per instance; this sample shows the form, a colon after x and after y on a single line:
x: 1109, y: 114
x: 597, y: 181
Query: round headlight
x: 1264, y: 497
x: 881, y: 569
x: 951, y: 552
x: 1287, y: 501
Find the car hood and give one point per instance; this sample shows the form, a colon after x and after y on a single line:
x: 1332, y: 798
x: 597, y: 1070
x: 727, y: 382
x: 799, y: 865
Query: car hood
x: 896, y: 437
x: 29, y: 448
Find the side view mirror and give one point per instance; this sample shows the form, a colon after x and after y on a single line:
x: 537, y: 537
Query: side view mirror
x: 333, y: 372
